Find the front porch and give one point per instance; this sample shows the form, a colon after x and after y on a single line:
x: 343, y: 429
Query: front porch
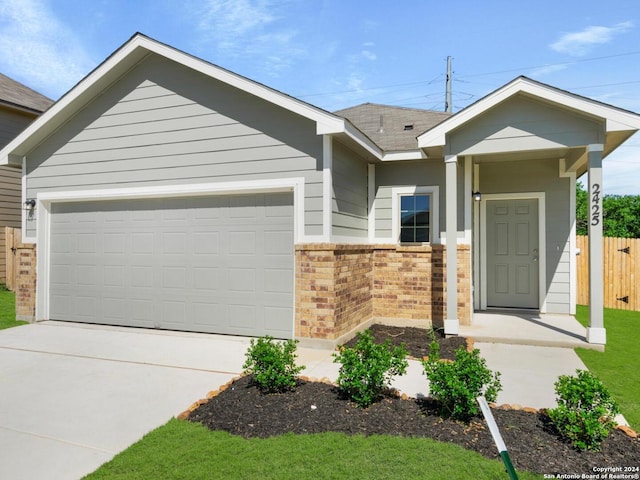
x: 523, y: 327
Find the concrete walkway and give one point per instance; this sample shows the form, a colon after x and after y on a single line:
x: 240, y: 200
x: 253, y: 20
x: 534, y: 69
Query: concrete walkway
x: 75, y: 395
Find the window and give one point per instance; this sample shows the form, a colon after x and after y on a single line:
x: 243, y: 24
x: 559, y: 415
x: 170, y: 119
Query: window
x: 414, y: 218
x: 415, y: 214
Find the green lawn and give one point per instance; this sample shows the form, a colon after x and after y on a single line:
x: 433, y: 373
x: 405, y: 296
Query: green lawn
x: 182, y: 450
x: 618, y: 367
x: 8, y: 309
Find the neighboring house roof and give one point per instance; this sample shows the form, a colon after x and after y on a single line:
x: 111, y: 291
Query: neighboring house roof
x: 15, y: 94
x: 392, y: 128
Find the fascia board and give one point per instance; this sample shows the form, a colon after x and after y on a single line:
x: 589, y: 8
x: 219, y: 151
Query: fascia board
x: 362, y: 140
x: 436, y: 137
x: 616, y: 119
x: 404, y: 155
x: 130, y: 54
x: 327, y: 122
x: 49, y: 120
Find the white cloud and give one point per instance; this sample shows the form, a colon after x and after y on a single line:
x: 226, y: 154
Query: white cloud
x: 579, y: 43
x: 227, y: 20
x: 369, y: 55
x: 248, y: 29
x: 547, y: 70
x: 37, y: 49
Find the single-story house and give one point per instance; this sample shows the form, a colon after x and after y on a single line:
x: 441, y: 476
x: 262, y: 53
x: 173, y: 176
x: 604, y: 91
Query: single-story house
x: 19, y: 106
x: 163, y: 191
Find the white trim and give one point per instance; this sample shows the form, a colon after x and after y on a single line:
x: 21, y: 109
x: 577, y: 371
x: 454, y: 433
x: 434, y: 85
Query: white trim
x: 573, y: 250
x: 404, y: 155
x: 371, y: 192
x: 597, y: 335
x: 46, y: 199
x: 434, y: 227
x: 23, y: 216
x: 616, y: 119
x: 327, y: 187
x: 468, y: 207
x: 475, y: 246
x: 134, y: 51
x: 542, y: 243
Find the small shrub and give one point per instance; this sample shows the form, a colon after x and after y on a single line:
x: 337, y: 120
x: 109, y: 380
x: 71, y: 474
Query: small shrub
x: 272, y: 364
x: 367, y: 368
x: 585, y: 413
x: 456, y: 385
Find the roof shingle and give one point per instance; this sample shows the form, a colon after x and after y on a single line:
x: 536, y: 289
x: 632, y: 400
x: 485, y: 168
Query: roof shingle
x: 392, y: 128
x: 17, y: 94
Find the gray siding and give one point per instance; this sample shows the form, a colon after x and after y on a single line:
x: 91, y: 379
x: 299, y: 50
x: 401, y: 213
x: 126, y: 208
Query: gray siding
x: 350, y: 204
x: 164, y: 124
x: 522, y: 124
x: 540, y: 176
x: 10, y: 209
x: 12, y: 123
x: 415, y: 173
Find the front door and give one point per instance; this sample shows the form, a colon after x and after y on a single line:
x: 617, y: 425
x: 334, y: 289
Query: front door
x: 512, y: 253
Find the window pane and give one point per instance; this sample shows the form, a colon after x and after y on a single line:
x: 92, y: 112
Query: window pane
x: 422, y: 219
x: 415, y: 218
x: 406, y: 234
x: 422, y: 202
x: 407, y: 203
x: 407, y: 219
x: 422, y: 234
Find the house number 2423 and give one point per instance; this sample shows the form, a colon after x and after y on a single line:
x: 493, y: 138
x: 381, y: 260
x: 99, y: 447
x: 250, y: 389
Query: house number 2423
x: 595, y: 204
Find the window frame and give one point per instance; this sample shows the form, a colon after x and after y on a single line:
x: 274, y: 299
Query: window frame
x: 434, y: 212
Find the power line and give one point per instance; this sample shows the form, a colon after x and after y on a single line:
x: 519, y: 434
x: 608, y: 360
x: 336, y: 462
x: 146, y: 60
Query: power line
x: 473, y: 75
x: 592, y: 59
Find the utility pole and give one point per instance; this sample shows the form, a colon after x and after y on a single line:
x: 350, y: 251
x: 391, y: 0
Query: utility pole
x: 448, y: 106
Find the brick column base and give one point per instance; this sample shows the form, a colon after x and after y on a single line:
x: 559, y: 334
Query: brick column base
x: 25, y: 283
x: 339, y: 287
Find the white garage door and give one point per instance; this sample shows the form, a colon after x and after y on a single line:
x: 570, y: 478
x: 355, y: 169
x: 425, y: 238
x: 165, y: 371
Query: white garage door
x: 206, y: 264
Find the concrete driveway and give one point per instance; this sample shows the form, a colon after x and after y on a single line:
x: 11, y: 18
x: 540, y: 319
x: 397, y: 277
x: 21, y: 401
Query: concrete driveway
x: 72, y: 396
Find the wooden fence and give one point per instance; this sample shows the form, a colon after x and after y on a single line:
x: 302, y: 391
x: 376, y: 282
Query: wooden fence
x: 13, y: 238
x: 621, y: 259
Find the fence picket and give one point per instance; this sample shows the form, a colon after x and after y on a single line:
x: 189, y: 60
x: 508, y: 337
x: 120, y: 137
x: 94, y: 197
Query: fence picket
x: 620, y: 272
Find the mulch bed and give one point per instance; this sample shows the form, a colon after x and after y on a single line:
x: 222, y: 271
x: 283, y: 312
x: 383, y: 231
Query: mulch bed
x: 315, y: 407
x: 416, y: 340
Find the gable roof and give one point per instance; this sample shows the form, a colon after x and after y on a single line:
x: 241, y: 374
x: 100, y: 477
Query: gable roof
x: 619, y: 123
x: 392, y: 128
x: 16, y: 95
x: 135, y: 50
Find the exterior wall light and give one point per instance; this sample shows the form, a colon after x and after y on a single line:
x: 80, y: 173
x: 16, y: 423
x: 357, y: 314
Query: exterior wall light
x: 477, y: 196
x: 30, y: 204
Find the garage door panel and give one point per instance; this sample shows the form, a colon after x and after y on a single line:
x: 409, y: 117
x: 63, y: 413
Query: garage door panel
x: 174, y: 314
x: 243, y: 317
x: 242, y: 280
x: 206, y: 279
x: 277, y: 319
x: 141, y: 312
x: 212, y: 264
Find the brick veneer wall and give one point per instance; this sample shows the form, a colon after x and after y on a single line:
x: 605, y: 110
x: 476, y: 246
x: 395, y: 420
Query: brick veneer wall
x: 339, y: 287
x: 25, y: 282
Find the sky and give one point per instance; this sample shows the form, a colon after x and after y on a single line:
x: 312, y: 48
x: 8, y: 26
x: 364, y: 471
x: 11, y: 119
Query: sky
x: 340, y: 53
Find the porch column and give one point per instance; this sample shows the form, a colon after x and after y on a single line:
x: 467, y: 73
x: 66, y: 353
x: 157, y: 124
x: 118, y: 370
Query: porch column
x: 595, y: 332
x: 451, y: 323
